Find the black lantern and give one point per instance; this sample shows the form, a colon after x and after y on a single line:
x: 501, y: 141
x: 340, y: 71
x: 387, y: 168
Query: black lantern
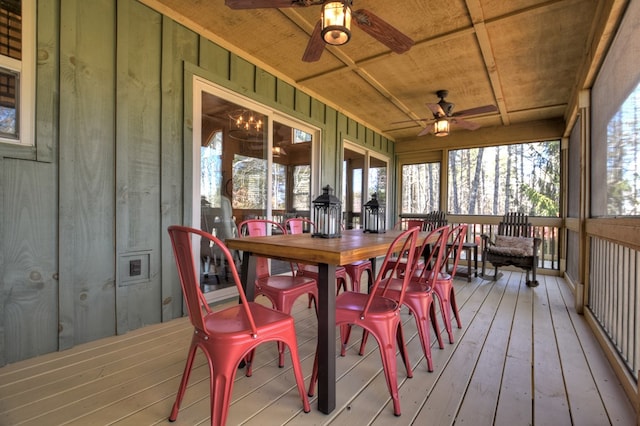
x: 374, y: 216
x: 326, y: 213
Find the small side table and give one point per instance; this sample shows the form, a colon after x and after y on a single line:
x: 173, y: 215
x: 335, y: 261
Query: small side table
x: 468, y: 248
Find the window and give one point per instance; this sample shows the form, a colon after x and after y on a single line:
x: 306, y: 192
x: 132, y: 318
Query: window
x: 499, y: 179
x: 623, y: 158
x: 17, y: 82
x: 420, y: 187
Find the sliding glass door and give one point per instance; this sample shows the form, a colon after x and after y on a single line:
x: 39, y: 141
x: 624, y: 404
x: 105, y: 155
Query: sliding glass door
x: 249, y: 162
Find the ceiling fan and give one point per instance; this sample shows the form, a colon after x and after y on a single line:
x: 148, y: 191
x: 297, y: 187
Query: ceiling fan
x: 377, y: 28
x: 443, y: 115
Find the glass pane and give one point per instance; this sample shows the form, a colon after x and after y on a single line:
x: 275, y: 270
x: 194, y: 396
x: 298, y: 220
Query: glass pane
x: 500, y: 179
x: 211, y: 170
x: 11, y: 28
x: 301, y: 187
x: 292, y: 172
x: 279, y: 190
x: 249, y: 183
x: 8, y: 104
x: 377, y: 181
x: 352, y: 188
x: 420, y: 187
x: 623, y: 158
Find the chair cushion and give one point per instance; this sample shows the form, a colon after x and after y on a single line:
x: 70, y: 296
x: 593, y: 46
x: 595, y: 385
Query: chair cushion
x: 512, y: 246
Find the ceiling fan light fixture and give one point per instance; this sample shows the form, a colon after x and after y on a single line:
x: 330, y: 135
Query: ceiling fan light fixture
x: 441, y: 127
x: 336, y: 22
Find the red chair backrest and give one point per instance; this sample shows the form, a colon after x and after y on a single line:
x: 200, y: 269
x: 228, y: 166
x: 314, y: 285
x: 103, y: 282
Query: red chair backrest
x: 296, y: 225
x: 459, y: 235
x: 258, y: 228
x: 410, y: 223
x: 182, y: 240
x: 437, y: 240
x: 403, y: 243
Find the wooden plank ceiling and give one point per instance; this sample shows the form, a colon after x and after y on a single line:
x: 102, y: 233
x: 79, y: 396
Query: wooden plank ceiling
x: 526, y: 57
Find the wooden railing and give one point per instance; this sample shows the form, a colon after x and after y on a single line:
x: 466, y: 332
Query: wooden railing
x: 547, y: 229
x: 613, y: 293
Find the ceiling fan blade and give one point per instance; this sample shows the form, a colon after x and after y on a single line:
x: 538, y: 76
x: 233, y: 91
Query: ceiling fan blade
x: 426, y: 130
x: 382, y: 31
x: 475, y: 111
x: 469, y: 125
x: 265, y: 4
x: 315, y: 46
x: 436, y: 109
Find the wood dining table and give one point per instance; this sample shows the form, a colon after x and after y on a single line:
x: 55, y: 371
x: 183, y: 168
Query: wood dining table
x: 327, y: 254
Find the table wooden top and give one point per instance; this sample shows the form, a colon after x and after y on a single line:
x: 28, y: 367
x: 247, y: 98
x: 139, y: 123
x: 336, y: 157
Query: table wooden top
x: 352, y: 246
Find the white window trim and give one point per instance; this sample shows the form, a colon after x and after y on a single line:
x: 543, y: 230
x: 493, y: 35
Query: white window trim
x: 27, y: 70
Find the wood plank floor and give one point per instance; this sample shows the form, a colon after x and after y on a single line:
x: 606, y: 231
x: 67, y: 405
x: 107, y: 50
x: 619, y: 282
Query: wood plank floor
x: 523, y: 356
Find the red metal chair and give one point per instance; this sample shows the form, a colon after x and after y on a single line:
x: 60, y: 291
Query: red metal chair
x: 281, y: 290
x: 418, y: 296
x: 296, y: 225
x: 228, y: 336
x: 380, y: 316
x: 443, y: 285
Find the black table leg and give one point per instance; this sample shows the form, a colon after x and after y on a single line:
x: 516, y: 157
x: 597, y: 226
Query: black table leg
x: 326, y: 338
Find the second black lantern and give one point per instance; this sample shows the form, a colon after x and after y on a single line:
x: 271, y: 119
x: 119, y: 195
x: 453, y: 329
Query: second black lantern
x: 374, y: 216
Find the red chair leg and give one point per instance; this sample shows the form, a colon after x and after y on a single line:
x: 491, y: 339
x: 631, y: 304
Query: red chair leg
x: 183, y: 383
x: 386, y: 341
x: 454, y: 306
x: 221, y: 387
x: 442, y: 291
x: 363, y: 342
x: 314, y: 376
x: 342, y: 284
x: 434, y: 324
x: 422, y: 322
x: 297, y: 372
x: 403, y: 350
x: 345, y: 333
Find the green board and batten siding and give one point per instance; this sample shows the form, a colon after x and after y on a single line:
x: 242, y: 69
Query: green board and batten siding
x: 108, y: 172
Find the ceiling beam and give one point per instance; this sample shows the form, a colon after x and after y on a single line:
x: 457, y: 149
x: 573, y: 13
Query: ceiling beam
x: 482, y: 36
